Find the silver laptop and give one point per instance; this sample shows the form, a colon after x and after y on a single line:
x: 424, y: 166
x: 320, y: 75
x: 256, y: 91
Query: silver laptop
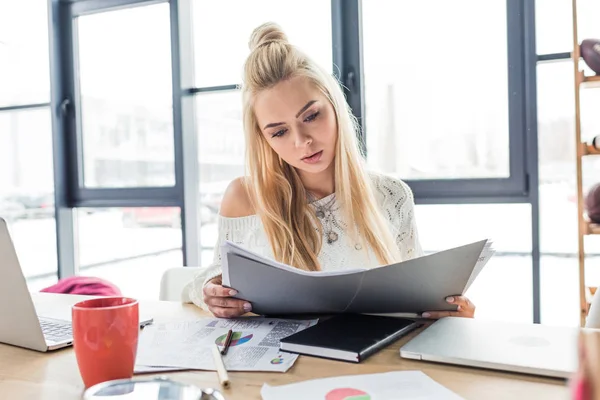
x: 524, y: 348
x: 20, y: 325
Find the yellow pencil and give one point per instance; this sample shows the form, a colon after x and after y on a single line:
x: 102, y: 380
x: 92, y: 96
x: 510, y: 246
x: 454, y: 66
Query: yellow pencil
x: 220, y: 366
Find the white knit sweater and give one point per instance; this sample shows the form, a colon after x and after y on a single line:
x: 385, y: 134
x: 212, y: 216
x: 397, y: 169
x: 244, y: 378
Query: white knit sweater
x: 397, y: 206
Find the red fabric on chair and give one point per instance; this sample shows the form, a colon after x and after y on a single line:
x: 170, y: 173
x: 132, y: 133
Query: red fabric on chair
x: 85, y: 285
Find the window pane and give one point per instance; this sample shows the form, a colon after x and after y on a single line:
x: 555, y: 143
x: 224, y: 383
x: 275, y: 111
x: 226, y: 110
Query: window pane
x: 222, y: 30
x: 503, y: 290
x: 24, y: 65
x: 431, y: 113
x: 27, y: 191
x: 558, y: 192
x: 221, y: 147
x: 130, y: 247
x: 125, y: 78
x: 554, y: 24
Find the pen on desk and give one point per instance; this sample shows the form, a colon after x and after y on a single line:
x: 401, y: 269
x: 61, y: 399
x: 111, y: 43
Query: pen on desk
x: 227, y: 342
x: 220, y: 366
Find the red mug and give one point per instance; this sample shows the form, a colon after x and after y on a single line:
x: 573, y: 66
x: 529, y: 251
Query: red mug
x: 105, y: 338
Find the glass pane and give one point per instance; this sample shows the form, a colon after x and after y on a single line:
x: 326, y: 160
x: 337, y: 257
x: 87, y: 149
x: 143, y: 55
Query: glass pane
x: 503, y: 290
x: 222, y: 30
x: 24, y: 65
x: 558, y: 195
x: 221, y: 147
x: 130, y: 247
x: 431, y: 112
x: 27, y: 192
x: 554, y: 24
x: 125, y: 78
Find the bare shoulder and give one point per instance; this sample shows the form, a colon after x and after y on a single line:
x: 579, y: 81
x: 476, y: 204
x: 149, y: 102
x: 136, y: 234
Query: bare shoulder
x: 236, y: 200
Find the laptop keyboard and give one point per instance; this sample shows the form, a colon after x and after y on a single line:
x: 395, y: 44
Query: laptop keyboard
x: 56, y: 331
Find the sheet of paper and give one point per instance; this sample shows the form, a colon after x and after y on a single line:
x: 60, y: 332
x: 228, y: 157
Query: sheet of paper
x: 487, y: 253
x: 405, y: 385
x: 187, y: 344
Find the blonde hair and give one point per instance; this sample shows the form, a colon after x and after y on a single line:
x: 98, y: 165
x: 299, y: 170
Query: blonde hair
x: 275, y: 188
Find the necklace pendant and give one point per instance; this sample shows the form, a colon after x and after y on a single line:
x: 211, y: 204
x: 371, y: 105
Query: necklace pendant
x: 332, y: 237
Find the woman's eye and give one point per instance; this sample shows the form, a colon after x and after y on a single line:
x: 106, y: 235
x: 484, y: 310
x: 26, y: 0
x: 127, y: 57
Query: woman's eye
x: 311, y: 117
x: 279, y: 133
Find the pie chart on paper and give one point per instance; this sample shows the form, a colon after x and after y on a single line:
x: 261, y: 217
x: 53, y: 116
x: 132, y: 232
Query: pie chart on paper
x: 347, y: 394
x: 236, y: 339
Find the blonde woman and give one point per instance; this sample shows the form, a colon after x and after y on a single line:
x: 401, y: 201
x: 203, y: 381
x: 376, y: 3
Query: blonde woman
x: 308, y: 200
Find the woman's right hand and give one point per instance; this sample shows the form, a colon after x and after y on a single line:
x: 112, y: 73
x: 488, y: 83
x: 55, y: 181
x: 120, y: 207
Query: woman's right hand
x: 219, y: 301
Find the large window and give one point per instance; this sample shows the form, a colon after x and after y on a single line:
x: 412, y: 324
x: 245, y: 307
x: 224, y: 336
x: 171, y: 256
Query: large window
x: 221, y: 149
x: 222, y: 30
x: 130, y: 247
x: 221, y: 154
x: 26, y: 165
x: 126, y: 97
x: 27, y: 189
x: 24, y: 72
x: 431, y: 111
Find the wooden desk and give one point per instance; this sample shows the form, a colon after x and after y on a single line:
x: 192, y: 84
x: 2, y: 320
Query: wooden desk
x: 26, y: 374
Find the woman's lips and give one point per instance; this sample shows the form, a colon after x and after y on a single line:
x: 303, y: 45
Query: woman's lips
x: 313, y: 159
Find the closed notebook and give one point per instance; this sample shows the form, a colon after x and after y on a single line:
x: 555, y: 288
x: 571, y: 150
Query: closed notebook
x: 348, y: 337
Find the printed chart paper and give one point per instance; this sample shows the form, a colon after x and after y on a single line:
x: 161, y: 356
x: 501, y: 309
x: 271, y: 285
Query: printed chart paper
x: 405, y: 385
x: 188, y: 344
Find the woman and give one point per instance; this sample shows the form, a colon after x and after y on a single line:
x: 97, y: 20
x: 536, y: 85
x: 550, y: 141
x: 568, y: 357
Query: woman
x: 308, y: 200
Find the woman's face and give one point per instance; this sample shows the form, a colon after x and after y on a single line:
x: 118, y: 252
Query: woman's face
x: 299, y: 123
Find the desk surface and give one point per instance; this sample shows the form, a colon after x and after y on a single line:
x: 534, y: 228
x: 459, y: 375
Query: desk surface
x: 26, y: 374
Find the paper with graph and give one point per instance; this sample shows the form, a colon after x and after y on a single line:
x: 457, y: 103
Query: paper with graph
x: 188, y: 344
x: 405, y: 288
x: 406, y: 385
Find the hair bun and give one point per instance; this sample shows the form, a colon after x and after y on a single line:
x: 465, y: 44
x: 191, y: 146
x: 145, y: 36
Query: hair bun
x: 267, y: 33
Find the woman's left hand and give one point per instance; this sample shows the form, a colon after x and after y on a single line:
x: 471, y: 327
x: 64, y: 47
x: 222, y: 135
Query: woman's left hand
x: 465, y: 309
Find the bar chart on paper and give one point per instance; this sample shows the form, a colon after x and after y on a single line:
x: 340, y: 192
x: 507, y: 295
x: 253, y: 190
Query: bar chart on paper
x: 347, y: 394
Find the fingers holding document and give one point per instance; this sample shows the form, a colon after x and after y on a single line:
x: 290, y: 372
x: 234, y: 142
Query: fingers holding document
x: 465, y: 308
x: 220, y: 301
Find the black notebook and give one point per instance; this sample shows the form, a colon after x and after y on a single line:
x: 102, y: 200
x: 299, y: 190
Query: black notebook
x: 348, y: 337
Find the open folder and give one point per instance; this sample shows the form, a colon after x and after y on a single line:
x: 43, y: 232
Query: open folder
x: 405, y: 288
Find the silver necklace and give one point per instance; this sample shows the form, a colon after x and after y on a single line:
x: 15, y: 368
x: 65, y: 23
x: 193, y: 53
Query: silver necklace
x: 325, y: 213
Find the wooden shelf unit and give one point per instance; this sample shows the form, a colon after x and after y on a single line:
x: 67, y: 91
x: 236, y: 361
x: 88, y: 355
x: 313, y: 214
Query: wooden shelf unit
x: 583, y: 150
x: 590, y: 79
x: 589, y: 150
